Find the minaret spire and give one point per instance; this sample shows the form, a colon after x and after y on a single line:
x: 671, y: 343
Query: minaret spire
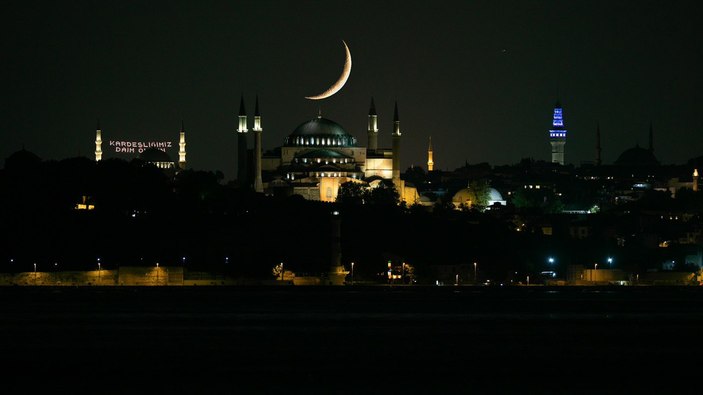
x: 396, y: 146
x: 98, y: 143
x: 182, y: 148
x: 430, y: 161
x: 242, y: 158
x: 598, y: 151
x: 372, y: 131
x: 557, y: 135
x: 695, y: 180
x: 258, y: 182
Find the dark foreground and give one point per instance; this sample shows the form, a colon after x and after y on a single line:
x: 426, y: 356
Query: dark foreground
x: 351, y: 340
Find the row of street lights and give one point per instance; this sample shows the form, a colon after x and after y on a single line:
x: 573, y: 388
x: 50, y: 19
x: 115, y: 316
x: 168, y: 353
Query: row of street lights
x: 551, y: 261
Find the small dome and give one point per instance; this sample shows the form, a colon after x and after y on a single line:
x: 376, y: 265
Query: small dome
x: 494, y: 195
x: 320, y: 132
x: 637, y: 156
x: 464, y: 196
x: 22, y: 159
x: 154, y: 155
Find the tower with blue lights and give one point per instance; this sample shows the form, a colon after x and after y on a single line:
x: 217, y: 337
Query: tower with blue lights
x: 557, y: 135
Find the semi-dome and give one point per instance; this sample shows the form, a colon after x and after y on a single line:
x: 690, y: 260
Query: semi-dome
x: 322, y: 153
x: 320, y: 132
x: 637, y: 156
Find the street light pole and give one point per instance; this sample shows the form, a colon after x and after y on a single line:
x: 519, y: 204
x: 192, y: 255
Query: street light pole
x: 475, y: 278
x: 282, y: 271
x: 35, y: 273
x: 352, y: 273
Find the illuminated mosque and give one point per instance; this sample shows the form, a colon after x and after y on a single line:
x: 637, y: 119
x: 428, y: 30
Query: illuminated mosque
x: 149, y: 152
x: 318, y: 157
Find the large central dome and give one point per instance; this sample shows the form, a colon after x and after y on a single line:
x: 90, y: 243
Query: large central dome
x: 320, y: 132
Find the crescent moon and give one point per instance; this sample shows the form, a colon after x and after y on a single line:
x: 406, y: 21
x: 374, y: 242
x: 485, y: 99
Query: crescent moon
x: 346, y: 71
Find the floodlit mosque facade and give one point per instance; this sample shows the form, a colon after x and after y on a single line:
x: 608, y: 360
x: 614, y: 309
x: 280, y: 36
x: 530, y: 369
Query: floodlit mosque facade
x: 150, y: 152
x: 318, y: 157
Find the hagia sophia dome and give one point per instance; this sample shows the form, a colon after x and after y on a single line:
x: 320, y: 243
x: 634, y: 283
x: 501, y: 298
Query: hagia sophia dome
x: 320, y: 132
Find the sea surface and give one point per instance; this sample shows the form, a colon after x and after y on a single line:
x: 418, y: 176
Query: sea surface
x: 339, y: 340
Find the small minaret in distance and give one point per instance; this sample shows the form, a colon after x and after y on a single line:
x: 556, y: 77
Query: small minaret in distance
x: 336, y: 273
x: 695, y: 180
x: 258, y: 182
x: 396, y: 147
x: 242, y: 146
x: 98, y: 143
x: 598, y: 157
x: 373, y: 128
x: 430, y: 162
x: 182, y: 148
x: 557, y: 135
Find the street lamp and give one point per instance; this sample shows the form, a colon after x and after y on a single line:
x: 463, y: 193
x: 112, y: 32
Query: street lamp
x: 610, y: 262
x: 35, y: 273
x: 551, y: 260
x: 402, y: 274
x: 352, y: 273
x: 282, y: 271
x: 99, y: 269
x: 475, y: 278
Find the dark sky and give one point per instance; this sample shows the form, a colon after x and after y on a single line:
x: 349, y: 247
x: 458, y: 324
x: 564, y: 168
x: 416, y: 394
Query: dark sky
x: 481, y: 77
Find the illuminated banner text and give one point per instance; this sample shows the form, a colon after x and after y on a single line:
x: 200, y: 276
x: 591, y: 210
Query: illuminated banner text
x: 130, y: 147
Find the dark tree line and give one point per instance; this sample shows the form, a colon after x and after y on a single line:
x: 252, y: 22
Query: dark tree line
x: 143, y: 215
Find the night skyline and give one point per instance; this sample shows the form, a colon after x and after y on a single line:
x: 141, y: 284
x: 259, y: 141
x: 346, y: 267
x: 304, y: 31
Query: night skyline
x: 480, y: 78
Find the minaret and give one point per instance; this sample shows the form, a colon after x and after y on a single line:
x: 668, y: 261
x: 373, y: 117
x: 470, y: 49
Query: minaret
x: 373, y: 128
x: 336, y: 273
x: 98, y: 143
x: 695, y: 180
x: 598, y: 158
x: 430, y: 162
x: 557, y: 135
x: 242, y: 147
x: 182, y: 149
x: 396, y: 147
x: 258, y: 183
x: 651, y: 138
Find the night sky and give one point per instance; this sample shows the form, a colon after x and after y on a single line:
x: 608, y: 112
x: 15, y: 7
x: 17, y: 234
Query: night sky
x: 480, y: 77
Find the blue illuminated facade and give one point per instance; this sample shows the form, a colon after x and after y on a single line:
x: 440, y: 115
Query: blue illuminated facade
x: 557, y: 135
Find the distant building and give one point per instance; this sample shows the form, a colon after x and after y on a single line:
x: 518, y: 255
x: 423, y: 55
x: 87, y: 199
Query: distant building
x: 557, y: 135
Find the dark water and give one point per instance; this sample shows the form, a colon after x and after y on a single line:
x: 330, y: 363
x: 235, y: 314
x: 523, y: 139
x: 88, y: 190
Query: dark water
x: 351, y: 340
